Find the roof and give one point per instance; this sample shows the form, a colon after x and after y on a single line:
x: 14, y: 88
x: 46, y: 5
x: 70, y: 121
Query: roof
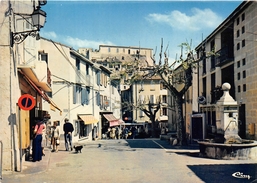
x: 131, y: 47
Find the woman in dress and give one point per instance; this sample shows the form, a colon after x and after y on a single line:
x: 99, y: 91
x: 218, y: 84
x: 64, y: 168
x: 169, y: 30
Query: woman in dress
x: 37, y: 141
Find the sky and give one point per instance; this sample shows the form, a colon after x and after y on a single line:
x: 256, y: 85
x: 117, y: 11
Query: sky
x: 88, y: 24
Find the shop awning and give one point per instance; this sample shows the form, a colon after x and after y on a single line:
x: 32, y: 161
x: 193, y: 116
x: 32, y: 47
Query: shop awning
x: 110, y: 117
x: 88, y: 119
x: 32, y: 76
x: 40, y: 92
x: 113, y: 120
x: 116, y: 123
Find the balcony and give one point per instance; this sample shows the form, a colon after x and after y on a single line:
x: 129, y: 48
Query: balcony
x: 225, y: 55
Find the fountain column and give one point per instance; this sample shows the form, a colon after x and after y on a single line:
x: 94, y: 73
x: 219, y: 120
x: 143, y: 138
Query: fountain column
x: 227, y: 117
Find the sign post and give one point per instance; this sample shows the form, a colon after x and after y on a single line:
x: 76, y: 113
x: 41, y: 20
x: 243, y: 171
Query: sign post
x: 26, y: 102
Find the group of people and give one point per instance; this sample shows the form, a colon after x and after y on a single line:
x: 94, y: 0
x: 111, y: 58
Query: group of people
x: 44, y: 132
x: 121, y: 132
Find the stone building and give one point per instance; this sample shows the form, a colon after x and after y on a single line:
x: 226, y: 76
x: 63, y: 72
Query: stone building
x: 234, y: 42
x: 22, y: 74
x: 118, y: 57
x: 81, y: 89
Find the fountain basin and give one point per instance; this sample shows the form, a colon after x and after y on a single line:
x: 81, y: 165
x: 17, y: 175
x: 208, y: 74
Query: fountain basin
x: 245, y: 151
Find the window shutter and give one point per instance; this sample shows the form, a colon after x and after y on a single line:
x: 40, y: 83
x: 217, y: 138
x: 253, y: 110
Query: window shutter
x: 87, y: 91
x: 98, y: 99
x: 74, y: 94
x: 83, y: 96
x: 152, y: 99
x: 161, y: 85
x: 98, y: 77
x: 142, y: 114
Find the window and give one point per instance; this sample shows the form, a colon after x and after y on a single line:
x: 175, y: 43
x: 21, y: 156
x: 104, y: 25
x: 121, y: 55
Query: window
x: 244, y: 74
x: 238, y: 46
x: 243, y: 61
x: 152, y: 99
x: 77, y: 63
x: 141, y: 99
x: 164, y: 99
x: 243, y: 17
x: 87, y: 69
x: 122, y: 58
x: 238, y: 76
x: 162, y: 86
x: 98, y: 99
x: 238, y: 88
x: 238, y: 64
x: 128, y: 51
x: 237, y: 33
x: 44, y: 57
x: 237, y: 21
x: 109, y: 49
x: 76, y: 94
x: 244, y: 87
x: 117, y: 50
x: 152, y: 88
x: 101, y: 101
x: 212, y: 57
x: 98, y: 78
x: 85, y: 96
x: 243, y: 43
x: 142, y: 114
x: 164, y: 111
x: 243, y: 29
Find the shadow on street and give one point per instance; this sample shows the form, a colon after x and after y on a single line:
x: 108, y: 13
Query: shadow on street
x: 236, y: 173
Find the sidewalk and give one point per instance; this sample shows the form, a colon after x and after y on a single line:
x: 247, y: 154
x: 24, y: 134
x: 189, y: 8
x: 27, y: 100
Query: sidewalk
x: 30, y: 167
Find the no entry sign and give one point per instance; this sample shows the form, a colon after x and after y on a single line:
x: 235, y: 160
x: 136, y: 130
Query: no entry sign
x: 26, y: 102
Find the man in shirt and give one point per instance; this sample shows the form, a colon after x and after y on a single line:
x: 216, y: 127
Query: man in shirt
x: 68, y: 129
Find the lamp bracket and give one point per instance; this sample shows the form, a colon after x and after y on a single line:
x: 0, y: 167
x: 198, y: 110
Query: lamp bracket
x: 19, y: 37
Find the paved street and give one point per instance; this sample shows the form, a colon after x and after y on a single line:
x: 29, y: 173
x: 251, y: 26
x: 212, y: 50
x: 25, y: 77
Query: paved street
x: 132, y: 161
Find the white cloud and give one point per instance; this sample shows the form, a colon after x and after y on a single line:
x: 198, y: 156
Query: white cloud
x: 74, y: 42
x: 48, y: 35
x: 79, y: 43
x: 199, y: 19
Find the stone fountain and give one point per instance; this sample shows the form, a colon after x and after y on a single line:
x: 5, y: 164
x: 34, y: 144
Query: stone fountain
x: 227, y: 144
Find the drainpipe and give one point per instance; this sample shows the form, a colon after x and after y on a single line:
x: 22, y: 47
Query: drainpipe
x: 20, y: 142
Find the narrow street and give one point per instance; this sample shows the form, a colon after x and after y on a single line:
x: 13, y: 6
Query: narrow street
x: 132, y: 161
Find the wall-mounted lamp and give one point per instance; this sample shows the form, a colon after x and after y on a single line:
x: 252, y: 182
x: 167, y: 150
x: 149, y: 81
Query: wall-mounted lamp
x: 38, y: 21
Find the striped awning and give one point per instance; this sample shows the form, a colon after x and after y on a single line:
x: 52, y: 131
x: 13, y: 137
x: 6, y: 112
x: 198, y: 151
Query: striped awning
x: 88, y: 119
x: 113, y: 120
x: 110, y: 117
x: 116, y: 123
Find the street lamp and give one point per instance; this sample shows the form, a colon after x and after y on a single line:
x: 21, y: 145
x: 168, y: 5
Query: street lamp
x: 38, y: 21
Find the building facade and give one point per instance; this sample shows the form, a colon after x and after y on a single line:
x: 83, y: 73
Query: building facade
x: 116, y: 58
x: 234, y: 42
x: 22, y: 74
x: 81, y: 89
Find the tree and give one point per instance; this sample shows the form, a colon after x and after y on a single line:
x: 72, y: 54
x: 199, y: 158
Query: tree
x: 183, y: 67
x: 171, y: 76
x: 168, y: 74
x: 130, y: 74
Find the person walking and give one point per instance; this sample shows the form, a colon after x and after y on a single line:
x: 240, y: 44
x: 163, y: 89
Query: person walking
x: 37, y: 141
x: 68, y: 129
x: 55, y: 136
